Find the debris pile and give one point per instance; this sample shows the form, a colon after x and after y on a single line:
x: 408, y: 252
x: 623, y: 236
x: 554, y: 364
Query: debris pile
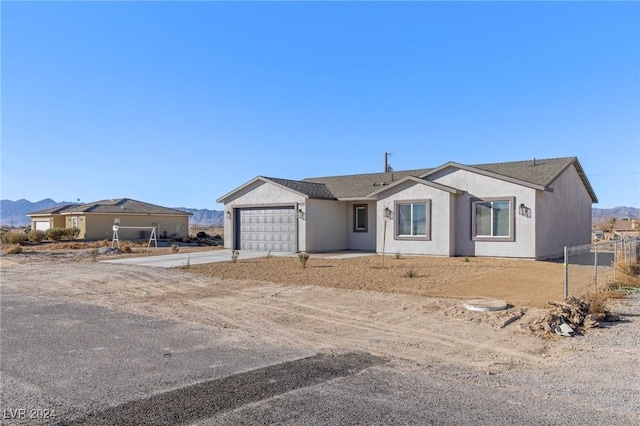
x: 573, y: 316
x: 109, y: 250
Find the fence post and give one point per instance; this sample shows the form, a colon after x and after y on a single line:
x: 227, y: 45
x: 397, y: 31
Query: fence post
x: 595, y: 265
x: 566, y: 273
x: 615, y: 258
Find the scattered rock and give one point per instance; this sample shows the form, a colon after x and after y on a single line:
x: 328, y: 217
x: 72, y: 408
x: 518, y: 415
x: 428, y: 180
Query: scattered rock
x: 109, y: 250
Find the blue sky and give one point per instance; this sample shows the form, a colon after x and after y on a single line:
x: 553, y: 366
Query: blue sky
x: 178, y: 103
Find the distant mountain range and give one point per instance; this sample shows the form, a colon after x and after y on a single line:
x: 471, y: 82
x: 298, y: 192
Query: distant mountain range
x: 14, y: 213
x: 617, y: 212
x: 204, y: 217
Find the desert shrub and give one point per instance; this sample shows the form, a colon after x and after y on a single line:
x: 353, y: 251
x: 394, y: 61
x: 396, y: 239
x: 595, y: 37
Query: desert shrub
x: 466, y: 259
x: 71, y: 233
x: 127, y: 249
x: 14, y: 249
x: 55, y: 234
x: 303, y: 257
x: 188, y: 264
x: 36, y: 235
x: 94, y: 254
x: 398, y: 255
x: 268, y: 255
x: 174, y: 248
x: 235, y: 254
x: 411, y: 273
x: 14, y: 237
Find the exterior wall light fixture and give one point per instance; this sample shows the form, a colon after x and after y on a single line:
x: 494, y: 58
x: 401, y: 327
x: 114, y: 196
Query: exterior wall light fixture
x: 524, y: 210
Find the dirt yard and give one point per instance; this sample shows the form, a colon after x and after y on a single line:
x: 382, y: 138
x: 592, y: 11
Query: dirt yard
x: 518, y: 282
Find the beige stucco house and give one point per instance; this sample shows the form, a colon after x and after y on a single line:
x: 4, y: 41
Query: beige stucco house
x: 525, y: 209
x: 96, y: 220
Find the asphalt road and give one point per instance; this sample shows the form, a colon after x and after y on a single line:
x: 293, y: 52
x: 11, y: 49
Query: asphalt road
x: 73, y: 363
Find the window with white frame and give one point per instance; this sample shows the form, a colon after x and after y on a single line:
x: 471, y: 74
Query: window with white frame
x: 493, y: 219
x: 412, y: 219
x: 74, y: 222
x: 360, y: 218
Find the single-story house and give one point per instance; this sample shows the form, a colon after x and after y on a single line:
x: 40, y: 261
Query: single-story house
x: 626, y: 228
x: 524, y: 209
x: 97, y: 219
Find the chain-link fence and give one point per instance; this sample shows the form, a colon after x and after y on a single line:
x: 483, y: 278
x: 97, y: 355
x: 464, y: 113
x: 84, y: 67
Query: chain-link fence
x: 592, y: 267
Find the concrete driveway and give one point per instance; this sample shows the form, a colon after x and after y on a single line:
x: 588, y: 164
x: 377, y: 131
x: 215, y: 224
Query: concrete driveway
x: 224, y: 255
x: 194, y: 258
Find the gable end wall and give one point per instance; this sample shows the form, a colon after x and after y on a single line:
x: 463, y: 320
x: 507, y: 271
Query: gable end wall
x: 564, y: 215
x: 477, y: 186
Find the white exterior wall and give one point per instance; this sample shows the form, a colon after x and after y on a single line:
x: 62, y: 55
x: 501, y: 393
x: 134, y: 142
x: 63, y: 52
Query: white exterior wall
x: 480, y: 186
x: 362, y: 240
x: 564, y: 215
x: 441, y: 225
x: 263, y: 194
x: 325, y: 222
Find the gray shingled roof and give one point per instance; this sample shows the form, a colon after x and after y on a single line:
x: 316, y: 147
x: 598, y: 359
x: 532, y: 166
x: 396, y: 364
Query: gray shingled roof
x: 358, y: 186
x: 541, y: 172
x: 52, y: 210
x: 310, y: 189
x: 118, y: 206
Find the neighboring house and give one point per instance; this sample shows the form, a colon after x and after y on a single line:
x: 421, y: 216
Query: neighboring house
x: 96, y: 220
x: 526, y: 209
x: 626, y: 228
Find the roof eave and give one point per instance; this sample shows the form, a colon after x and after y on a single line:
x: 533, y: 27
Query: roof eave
x: 256, y: 179
x: 366, y: 198
x: 419, y: 181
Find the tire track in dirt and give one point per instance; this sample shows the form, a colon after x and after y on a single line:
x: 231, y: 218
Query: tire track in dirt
x: 363, y: 330
x: 317, y: 318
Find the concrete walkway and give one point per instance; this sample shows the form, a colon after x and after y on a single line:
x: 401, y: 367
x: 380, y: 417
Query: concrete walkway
x: 212, y: 256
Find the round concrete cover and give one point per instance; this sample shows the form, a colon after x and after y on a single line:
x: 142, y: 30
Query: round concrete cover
x: 484, y: 305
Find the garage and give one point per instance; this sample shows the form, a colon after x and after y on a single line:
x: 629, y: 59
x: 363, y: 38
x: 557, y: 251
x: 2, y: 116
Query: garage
x: 42, y: 225
x: 266, y: 229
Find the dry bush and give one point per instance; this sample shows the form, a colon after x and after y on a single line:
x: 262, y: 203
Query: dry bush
x: 410, y: 273
x: 70, y: 246
x: 14, y: 249
x: 36, y: 235
x: 597, y: 301
x: 127, y: 249
x: 55, y: 234
x: 14, y: 237
x: 628, y: 274
x: 628, y: 268
x: 98, y: 244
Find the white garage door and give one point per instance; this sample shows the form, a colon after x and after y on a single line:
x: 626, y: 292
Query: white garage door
x: 42, y: 225
x: 265, y: 229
